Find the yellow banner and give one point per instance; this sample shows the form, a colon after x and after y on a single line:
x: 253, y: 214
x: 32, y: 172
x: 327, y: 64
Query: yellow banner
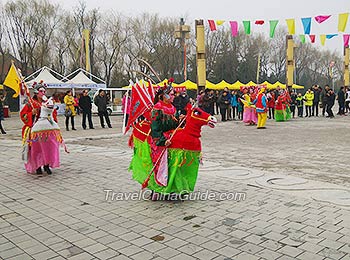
x: 13, y: 81
x: 291, y: 26
x: 220, y: 22
x: 86, y: 35
x: 343, y: 19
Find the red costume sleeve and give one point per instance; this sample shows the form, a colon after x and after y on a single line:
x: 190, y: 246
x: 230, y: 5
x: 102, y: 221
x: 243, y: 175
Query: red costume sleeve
x: 26, y: 115
x: 54, y: 115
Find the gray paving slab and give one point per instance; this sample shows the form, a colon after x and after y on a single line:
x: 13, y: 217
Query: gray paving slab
x: 65, y: 215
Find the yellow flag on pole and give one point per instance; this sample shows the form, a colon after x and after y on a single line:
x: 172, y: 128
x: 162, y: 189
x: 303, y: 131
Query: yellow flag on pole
x: 291, y: 26
x: 86, y: 35
x: 13, y: 81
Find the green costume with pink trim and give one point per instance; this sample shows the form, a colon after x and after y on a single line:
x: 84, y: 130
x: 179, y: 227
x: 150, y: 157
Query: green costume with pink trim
x: 183, y: 154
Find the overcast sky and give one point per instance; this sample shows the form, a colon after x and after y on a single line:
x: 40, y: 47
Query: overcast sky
x: 237, y: 10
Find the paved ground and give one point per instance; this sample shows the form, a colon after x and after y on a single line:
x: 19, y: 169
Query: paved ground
x: 295, y: 176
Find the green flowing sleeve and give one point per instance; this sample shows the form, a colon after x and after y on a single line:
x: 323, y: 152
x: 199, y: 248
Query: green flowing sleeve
x: 161, y: 123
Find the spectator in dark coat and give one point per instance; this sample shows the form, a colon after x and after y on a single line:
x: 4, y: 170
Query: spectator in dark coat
x: 330, y: 103
x: 293, y: 102
x: 216, y: 105
x: 101, y: 103
x: 316, y: 101
x: 180, y: 102
x: 324, y: 99
x: 2, y: 99
x: 208, y: 101
x: 229, y: 107
x: 223, y: 102
x: 85, y: 106
x: 341, y: 101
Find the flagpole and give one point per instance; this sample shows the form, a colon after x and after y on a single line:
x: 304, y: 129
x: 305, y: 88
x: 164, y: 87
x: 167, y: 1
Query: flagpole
x: 150, y: 67
x: 152, y: 89
x: 258, y: 70
x: 20, y: 76
x: 144, y: 89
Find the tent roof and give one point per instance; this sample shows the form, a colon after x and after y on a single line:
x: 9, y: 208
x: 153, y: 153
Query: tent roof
x: 81, y: 78
x: 46, y: 76
x: 237, y: 85
x: 189, y: 84
x: 268, y: 84
x: 222, y: 84
x: 278, y: 84
x: 295, y: 86
x: 251, y: 83
x: 210, y: 85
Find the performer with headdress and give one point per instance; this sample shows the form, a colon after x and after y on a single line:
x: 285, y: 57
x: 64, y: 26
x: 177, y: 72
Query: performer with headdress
x: 167, y: 153
x: 249, y: 112
x: 261, y: 108
x: 41, y: 135
x: 281, y: 107
x: 163, y: 122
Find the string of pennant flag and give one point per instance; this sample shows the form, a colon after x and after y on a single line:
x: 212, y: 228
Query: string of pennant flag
x: 306, y: 22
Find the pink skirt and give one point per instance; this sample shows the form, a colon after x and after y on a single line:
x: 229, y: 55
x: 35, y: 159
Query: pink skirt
x: 249, y: 115
x: 43, y: 151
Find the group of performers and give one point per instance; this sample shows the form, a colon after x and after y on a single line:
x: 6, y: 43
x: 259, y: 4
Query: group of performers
x: 257, y: 104
x: 42, y: 137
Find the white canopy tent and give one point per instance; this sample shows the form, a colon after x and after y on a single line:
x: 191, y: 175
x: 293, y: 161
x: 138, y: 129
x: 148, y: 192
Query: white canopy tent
x: 58, y: 84
x: 77, y: 79
x: 47, y: 75
x: 84, y: 79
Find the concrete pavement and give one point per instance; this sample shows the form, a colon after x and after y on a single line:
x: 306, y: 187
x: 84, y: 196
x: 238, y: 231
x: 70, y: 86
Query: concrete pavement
x: 284, y: 215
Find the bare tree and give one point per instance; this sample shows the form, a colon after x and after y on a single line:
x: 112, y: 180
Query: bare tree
x: 83, y: 19
x: 4, y: 48
x: 277, y: 54
x: 153, y: 39
x: 111, y: 39
x: 30, y: 27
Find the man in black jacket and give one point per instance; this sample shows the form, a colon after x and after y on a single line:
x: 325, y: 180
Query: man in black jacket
x: 208, y: 102
x: 85, y: 105
x: 324, y: 97
x: 330, y: 103
x: 101, y: 103
x: 341, y: 101
x: 223, y: 102
x: 180, y: 102
x: 316, y: 101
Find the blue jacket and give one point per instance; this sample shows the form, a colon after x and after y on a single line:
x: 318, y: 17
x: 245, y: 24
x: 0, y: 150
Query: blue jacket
x: 234, y: 101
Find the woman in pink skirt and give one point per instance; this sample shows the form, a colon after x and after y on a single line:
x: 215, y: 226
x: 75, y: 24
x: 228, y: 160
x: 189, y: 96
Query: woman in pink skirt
x: 42, y: 136
x: 249, y: 113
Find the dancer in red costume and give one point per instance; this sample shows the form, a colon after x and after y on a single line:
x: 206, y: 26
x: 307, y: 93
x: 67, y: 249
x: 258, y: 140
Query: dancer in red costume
x: 261, y: 108
x: 40, y: 134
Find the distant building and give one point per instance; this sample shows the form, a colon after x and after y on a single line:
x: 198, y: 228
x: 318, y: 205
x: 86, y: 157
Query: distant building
x: 5, y: 64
